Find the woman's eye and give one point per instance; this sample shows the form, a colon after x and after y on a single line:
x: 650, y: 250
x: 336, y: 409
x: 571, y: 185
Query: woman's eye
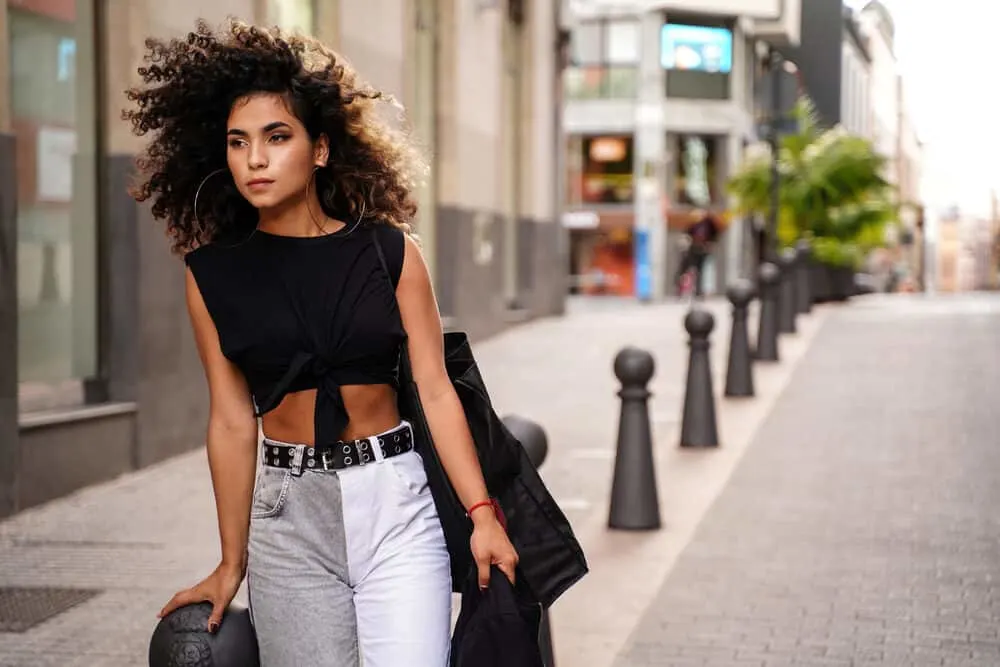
x: 279, y: 137
x: 235, y: 143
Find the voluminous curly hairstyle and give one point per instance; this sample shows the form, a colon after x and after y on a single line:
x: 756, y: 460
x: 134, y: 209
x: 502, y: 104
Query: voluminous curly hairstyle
x: 188, y: 88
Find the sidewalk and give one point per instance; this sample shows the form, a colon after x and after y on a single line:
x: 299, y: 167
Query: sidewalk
x: 861, y: 528
x: 141, y: 537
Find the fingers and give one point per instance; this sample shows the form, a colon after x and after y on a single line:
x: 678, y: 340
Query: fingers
x: 215, y: 619
x: 483, y: 565
x: 179, y: 600
x: 507, y: 567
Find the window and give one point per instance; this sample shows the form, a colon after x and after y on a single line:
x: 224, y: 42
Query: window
x: 54, y: 116
x: 600, y: 170
x: 605, y: 61
x: 695, y: 175
x: 698, y: 58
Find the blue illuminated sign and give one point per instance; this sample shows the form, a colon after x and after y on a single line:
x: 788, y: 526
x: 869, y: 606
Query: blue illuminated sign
x: 697, y: 48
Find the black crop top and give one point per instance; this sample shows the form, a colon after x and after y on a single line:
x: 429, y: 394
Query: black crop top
x: 297, y: 313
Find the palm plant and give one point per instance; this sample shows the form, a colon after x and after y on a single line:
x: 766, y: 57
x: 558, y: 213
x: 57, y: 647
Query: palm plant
x: 831, y: 189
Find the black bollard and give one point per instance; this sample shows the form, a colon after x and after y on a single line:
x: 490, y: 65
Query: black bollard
x: 739, y: 372
x: 182, y: 639
x: 787, y: 302
x: 767, y: 329
x: 803, y: 291
x: 634, y: 501
x: 531, y: 436
x: 698, y: 428
x: 536, y: 445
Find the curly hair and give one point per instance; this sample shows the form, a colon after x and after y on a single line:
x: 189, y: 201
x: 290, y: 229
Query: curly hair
x: 189, y: 86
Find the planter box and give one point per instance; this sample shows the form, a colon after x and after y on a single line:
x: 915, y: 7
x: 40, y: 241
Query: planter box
x: 819, y: 282
x: 830, y: 283
x: 843, y: 280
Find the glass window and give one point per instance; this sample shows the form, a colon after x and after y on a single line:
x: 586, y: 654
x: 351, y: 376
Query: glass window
x: 605, y: 63
x: 600, y: 170
x: 622, y: 46
x: 53, y: 109
x: 294, y: 15
x: 695, y: 171
x: 586, y: 43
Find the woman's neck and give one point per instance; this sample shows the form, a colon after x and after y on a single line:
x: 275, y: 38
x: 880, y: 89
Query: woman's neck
x: 296, y: 218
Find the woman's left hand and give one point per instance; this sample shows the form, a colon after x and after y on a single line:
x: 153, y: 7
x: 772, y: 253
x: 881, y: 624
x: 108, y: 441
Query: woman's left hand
x: 491, y: 546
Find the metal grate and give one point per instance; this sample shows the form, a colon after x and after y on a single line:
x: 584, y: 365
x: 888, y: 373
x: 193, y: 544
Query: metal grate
x: 23, y: 608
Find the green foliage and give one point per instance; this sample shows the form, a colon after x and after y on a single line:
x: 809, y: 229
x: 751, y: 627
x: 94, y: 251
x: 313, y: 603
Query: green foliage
x: 831, y: 189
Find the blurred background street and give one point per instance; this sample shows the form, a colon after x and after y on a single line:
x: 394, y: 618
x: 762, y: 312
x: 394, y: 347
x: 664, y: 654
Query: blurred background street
x: 603, y: 174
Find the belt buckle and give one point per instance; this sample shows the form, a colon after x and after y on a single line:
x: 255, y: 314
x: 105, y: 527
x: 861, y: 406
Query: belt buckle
x: 326, y: 459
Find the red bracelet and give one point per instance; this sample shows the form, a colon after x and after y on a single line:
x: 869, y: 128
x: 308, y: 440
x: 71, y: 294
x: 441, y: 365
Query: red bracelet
x: 497, y: 510
x: 481, y: 503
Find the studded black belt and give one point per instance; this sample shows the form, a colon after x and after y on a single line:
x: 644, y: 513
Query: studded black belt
x: 344, y: 454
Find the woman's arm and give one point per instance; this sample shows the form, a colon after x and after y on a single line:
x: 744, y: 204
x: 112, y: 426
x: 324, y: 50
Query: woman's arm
x: 445, y: 416
x: 232, y: 433
x: 232, y: 459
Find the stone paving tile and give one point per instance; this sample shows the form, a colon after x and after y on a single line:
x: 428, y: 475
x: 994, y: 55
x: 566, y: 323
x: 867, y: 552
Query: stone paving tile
x: 861, y: 528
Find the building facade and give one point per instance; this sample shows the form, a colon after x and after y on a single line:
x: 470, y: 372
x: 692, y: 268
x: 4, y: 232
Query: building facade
x: 98, y: 370
x: 855, y: 81
x: 879, y: 28
x: 659, y: 108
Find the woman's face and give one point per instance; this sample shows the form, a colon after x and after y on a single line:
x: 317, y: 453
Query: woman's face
x: 270, y: 154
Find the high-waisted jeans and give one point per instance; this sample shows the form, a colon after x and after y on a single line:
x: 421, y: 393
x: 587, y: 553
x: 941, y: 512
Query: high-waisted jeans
x: 349, y: 564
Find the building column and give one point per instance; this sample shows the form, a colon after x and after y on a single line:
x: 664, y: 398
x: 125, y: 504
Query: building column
x: 149, y: 352
x: 512, y: 157
x: 422, y: 94
x: 650, y: 230
x: 10, y: 451
x: 736, y: 231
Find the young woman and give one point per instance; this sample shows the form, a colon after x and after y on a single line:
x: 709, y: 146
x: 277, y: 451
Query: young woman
x: 281, y: 186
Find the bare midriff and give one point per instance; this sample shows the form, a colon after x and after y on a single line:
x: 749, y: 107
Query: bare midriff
x: 372, y: 409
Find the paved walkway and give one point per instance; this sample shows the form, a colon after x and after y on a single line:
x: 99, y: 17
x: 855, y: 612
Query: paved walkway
x: 862, y: 526
x: 859, y: 524
x: 141, y: 537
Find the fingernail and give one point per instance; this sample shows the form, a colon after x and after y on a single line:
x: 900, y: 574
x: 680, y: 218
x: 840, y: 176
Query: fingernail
x: 212, y: 627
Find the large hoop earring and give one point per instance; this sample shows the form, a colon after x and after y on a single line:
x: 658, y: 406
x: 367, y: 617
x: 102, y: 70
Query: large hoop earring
x: 194, y: 208
x: 356, y: 224
x: 197, y: 193
x: 312, y: 178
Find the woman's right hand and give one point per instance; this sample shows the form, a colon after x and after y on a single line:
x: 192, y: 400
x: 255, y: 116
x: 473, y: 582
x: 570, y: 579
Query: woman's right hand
x: 218, y: 588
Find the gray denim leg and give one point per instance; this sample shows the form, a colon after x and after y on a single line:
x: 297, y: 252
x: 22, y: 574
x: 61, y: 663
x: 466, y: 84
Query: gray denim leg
x: 297, y: 576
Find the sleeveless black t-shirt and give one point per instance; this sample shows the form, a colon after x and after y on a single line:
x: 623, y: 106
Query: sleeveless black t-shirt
x: 297, y: 313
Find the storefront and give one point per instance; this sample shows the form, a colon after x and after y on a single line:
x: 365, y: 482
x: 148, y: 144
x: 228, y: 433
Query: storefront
x: 53, y: 114
x: 599, y: 204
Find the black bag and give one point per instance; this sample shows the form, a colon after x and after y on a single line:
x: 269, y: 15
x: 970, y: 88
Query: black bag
x: 496, y: 627
x: 551, y: 559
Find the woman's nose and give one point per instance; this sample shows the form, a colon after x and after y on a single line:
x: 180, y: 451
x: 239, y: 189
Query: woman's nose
x: 256, y: 157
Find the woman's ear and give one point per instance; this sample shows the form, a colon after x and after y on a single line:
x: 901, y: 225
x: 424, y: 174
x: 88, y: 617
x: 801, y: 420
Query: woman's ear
x: 321, y: 152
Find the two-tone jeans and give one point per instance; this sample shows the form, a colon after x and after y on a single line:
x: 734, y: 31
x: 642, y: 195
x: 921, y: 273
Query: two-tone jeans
x: 349, y: 564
